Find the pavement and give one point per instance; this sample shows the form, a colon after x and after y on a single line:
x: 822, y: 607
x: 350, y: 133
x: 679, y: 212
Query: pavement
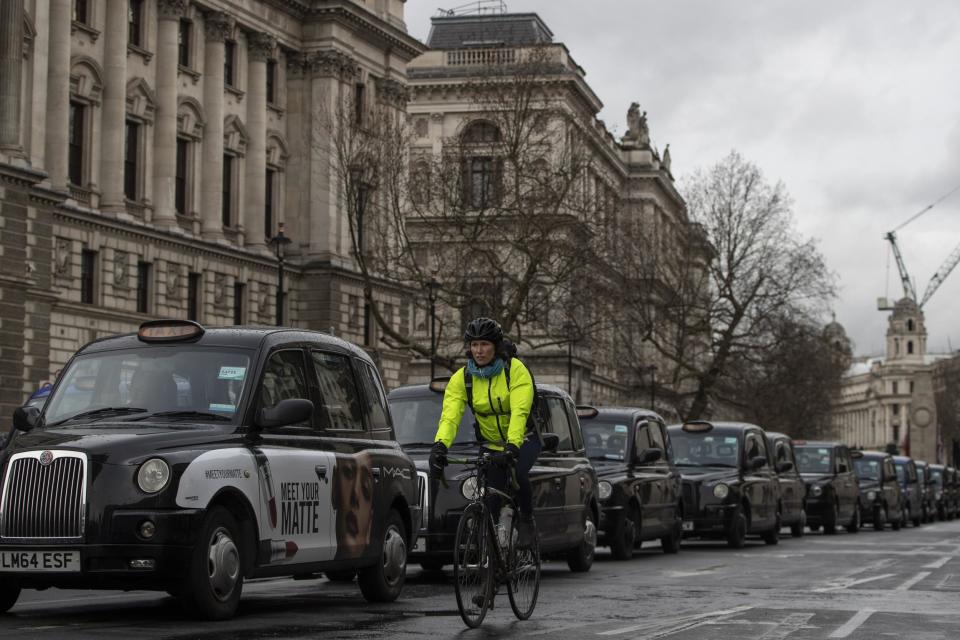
x: 869, y: 585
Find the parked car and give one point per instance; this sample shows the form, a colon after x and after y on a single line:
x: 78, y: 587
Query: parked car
x: 912, y: 491
x: 793, y: 490
x: 565, y: 500
x: 941, y: 492
x: 188, y: 459
x: 926, y: 491
x: 639, y: 486
x: 729, y: 488
x: 881, y: 498
x: 951, y: 484
x: 833, y: 493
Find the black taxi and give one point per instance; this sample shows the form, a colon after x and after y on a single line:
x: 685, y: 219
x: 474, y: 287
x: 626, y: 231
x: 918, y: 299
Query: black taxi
x: 729, y: 487
x: 565, y: 501
x: 639, y: 485
x: 941, y: 497
x: 912, y: 489
x: 881, y: 498
x: 187, y: 459
x: 793, y: 490
x: 833, y: 492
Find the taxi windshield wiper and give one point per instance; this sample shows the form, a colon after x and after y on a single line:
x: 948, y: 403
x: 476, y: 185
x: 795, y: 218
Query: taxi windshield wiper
x: 206, y: 415
x: 416, y: 444
x: 468, y: 443
x: 102, y: 412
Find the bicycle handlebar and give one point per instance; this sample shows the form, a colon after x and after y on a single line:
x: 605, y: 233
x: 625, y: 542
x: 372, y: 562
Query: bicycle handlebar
x: 484, y: 458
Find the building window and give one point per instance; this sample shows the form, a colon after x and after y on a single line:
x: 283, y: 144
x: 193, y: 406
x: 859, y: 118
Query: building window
x: 143, y: 287
x: 75, y: 144
x: 483, y: 182
x: 271, y: 81
x: 909, y: 346
x: 894, y: 386
x: 193, y: 297
x: 183, y: 43
x: 239, y: 292
x: 268, y: 204
x: 180, y: 181
x: 229, y: 56
x: 227, y: 189
x: 131, y: 156
x: 81, y: 11
x: 88, y: 270
x: 359, y: 96
x: 135, y: 22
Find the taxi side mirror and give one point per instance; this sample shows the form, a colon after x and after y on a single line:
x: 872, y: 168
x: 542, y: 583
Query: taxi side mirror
x: 785, y: 466
x: 550, y: 442
x: 648, y: 455
x: 289, y: 411
x: 756, y: 462
x: 25, y: 418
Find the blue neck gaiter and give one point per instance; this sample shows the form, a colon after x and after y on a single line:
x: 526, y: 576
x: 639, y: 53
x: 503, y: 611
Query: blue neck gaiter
x: 488, y: 371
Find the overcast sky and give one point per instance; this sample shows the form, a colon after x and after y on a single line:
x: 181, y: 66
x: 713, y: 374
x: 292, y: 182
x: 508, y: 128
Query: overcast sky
x: 854, y: 105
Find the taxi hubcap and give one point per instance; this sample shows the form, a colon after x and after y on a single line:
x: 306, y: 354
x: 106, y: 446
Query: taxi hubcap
x: 223, y: 564
x: 394, y: 555
x: 590, y: 535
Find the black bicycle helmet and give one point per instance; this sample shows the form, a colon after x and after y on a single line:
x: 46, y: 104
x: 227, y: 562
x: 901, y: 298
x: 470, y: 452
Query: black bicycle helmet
x: 483, y: 329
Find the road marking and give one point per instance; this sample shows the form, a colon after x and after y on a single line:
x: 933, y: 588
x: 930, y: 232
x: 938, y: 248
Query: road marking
x: 938, y: 564
x: 846, y: 584
x: 793, y: 622
x: 691, y: 621
x: 912, y: 581
x: 853, y: 623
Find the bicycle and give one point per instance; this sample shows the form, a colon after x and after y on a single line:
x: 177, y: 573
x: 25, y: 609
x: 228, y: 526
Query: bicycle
x: 482, y: 560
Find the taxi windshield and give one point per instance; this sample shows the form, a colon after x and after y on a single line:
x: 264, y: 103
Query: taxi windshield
x: 867, y: 469
x: 817, y: 460
x: 415, y: 420
x: 698, y: 450
x: 937, y: 476
x: 605, y: 439
x: 901, y: 472
x: 163, y: 382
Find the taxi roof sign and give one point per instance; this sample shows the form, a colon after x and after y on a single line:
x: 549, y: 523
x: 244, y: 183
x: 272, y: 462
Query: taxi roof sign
x: 697, y: 426
x: 169, y: 330
x: 587, y: 411
x: 439, y: 384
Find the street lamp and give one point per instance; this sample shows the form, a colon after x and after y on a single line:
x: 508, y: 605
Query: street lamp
x: 359, y: 188
x: 653, y: 387
x: 432, y: 287
x: 279, y: 241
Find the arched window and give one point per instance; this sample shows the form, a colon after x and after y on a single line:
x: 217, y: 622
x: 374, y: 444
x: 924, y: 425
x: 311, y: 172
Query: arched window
x: 909, y: 346
x: 273, y: 194
x: 480, y: 132
x: 189, y: 134
x: 910, y: 325
x: 141, y: 110
x: 86, y: 90
x: 235, y: 139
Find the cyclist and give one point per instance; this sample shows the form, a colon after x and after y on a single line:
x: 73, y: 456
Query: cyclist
x: 501, y: 404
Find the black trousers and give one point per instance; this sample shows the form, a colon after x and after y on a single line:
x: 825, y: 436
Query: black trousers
x: 498, y: 478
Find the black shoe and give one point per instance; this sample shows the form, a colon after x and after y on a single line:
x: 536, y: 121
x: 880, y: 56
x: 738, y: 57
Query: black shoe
x: 525, y: 531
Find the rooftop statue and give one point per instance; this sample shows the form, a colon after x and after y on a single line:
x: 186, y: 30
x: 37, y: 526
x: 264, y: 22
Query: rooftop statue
x: 637, y: 125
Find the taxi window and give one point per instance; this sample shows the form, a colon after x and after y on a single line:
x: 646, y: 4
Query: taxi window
x: 557, y: 423
x: 888, y: 468
x: 780, y: 451
x: 901, y: 473
x: 911, y: 473
x: 642, y: 441
x: 284, y: 377
x: 815, y: 460
x: 576, y: 429
x: 843, y: 464
x: 921, y: 476
x: 376, y: 402
x: 656, y: 436
x: 867, y: 469
x: 754, y: 447
x: 341, y: 399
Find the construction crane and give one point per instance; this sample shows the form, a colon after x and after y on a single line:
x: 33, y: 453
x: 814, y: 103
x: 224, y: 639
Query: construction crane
x: 908, y: 289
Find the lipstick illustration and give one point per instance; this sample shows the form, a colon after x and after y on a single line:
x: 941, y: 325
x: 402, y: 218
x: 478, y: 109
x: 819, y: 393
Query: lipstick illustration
x: 266, y: 485
x: 282, y: 550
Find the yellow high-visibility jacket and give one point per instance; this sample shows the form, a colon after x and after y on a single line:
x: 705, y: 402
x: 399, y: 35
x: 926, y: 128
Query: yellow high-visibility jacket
x: 500, y: 412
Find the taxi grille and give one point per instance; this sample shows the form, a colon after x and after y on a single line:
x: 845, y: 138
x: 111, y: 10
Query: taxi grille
x: 44, y: 501
x: 422, y: 487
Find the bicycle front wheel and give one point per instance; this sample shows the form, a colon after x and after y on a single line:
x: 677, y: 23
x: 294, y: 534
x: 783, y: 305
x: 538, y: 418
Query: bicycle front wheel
x: 523, y: 573
x: 472, y: 566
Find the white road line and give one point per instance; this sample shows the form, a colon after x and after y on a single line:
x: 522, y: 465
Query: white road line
x: 938, y: 564
x: 846, y: 584
x: 852, y: 624
x: 690, y: 620
x: 912, y: 581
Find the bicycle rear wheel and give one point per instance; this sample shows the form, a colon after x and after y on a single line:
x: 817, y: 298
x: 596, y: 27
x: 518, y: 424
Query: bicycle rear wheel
x: 523, y: 573
x: 472, y: 575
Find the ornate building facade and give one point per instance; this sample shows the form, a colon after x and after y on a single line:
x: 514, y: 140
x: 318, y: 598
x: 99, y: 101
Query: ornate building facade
x: 150, y: 150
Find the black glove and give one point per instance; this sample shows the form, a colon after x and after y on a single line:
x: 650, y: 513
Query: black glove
x: 508, y: 459
x: 438, y: 459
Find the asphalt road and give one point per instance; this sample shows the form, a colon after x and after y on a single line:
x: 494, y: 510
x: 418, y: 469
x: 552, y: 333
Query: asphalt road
x: 859, y: 586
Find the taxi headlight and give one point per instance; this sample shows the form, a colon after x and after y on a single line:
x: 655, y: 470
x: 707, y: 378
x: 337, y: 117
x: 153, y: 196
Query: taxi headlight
x: 154, y: 475
x: 721, y: 491
x: 606, y: 489
x: 871, y: 496
x: 816, y: 490
x: 468, y: 489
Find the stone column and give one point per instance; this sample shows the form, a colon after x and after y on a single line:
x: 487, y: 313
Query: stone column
x: 58, y: 93
x: 114, y: 107
x: 217, y: 27
x: 11, y: 61
x: 169, y: 13
x: 260, y: 47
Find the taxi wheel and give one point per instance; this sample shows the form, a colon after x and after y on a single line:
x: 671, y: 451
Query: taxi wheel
x: 737, y: 534
x: 343, y: 575
x: 796, y: 529
x: 854, y: 525
x: 880, y: 518
x: 580, y: 558
x: 9, y: 593
x: 830, y: 519
x: 898, y: 522
x: 215, y: 576
x: 383, y: 581
x: 625, y: 535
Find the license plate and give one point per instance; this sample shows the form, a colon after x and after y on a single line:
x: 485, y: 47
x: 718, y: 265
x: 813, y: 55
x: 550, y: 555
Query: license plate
x: 688, y: 525
x: 66, y: 561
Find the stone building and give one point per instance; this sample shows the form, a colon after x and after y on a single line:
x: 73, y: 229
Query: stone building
x: 889, y: 400
x: 151, y: 149
x: 628, y: 171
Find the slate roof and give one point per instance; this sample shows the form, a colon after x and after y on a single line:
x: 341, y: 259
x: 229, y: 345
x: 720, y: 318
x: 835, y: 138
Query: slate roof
x: 500, y: 30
